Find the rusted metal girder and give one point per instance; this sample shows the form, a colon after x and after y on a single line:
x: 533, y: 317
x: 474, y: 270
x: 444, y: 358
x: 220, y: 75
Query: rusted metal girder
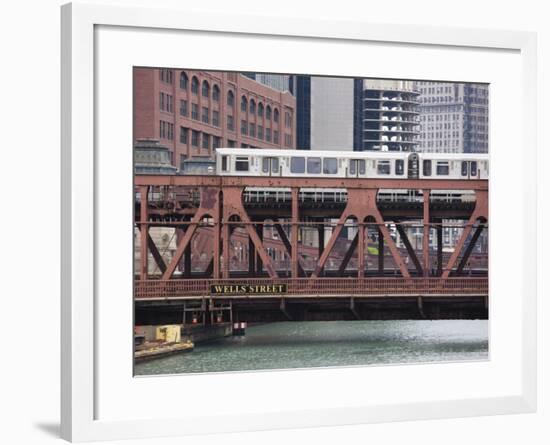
x: 210, y: 207
x: 316, y: 288
x: 426, y: 234
x: 347, y: 183
x: 233, y: 206
x: 360, y: 206
x: 480, y: 214
x: 409, y: 247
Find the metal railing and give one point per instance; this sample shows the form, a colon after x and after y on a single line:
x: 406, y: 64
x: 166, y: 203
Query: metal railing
x: 345, y: 287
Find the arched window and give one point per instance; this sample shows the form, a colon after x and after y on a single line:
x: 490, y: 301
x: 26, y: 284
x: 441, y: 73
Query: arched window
x: 276, y: 115
x: 216, y: 93
x: 195, y: 85
x: 184, y: 81
x: 244, y: 104
x: 252, y: 106
x: 268, y: 112
x: 205, y: 89
x: 261, y: 109
x: 230, y: 98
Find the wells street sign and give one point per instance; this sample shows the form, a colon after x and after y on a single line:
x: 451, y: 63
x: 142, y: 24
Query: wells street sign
x: 247, y: 289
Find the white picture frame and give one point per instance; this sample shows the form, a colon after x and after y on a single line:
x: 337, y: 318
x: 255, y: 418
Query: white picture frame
x: 80, y: 418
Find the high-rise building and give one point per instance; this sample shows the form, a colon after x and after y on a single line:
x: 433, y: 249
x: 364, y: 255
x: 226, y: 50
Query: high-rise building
x: 390, y: 115
x: 327, y: 116
x: 194, y: 112
x: 454, y: 117
x: 279, y: 82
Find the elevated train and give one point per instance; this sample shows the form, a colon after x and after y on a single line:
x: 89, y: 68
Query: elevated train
x: 348, y: 164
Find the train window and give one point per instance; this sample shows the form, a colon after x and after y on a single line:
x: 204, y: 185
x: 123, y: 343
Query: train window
x: 274, y: 165
x: 330, y: 166
x: 314, y: 165
x: 225, y: 167
x: 427, y: 167
x: 265, y: 165
x: 362, y: 166
x: 442, y: 168
x: 399, y: 166
x: 353, y: 166
x: 297, y: 165
x: 473, y: 168
x: 241, y: 164
x: 383, y: 168
x: 464, y: 168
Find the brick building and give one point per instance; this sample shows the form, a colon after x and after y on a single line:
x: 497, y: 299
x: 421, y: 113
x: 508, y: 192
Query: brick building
x: 194, y: 112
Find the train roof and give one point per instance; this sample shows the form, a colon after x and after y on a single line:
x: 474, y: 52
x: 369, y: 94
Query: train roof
x: 347, y: 154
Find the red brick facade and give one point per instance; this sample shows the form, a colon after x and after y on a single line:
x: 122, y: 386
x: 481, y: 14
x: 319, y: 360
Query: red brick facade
x: 194, y: 112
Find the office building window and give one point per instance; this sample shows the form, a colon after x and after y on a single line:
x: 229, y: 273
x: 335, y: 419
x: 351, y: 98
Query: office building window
x: 216, y: 93
x: 184, y: 81
x: 230, y: 123
x: 205, y: 115
x: 252, y: 130
x: 268, y: 112
x: 216, y: 118
x: 194, y: 138
x: 230, y: 98
x: 288, y: 140
x: 288, y: 120
x: 216, y: 142
x: 183, y: 108
x: 276, y: 115
x: 268, y: 134
x: 244, y: 127
x: 244, y: 104
x: 252, y: 106
x: 195, y: 111
x: 261, y: 109
x: 166, y: 76
x: 231, y: 144
x: 205, y: 140
x: 195, y: 85
x: 205, y: 89
x: 260, y: 132
x: 184, y: 135
x: 275, y: 137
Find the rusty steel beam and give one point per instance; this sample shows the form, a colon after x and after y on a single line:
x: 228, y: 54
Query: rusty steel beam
x: 361, y: 205
x: 233, y: 206
x: 481, y: 210
x: 361, y: 251
x: 310, y: 182
x: 426, y: 234
x: 156, y: 254
x: 410, y: 249
x: 289, y: 247
x: 294, y: 259
x: 349, y: 254
x: 469, y: 248
x: 144, y: 232
x: 209, y: 207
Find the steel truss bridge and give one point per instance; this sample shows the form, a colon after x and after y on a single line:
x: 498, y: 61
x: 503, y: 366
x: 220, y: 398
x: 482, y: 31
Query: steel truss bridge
x: 210, y: 214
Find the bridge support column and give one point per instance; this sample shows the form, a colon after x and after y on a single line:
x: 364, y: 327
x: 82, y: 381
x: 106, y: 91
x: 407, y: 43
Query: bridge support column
x: 481, y: 211
x: 294, y: 259
x: 144, y: 232
x: 439, y: 247
x: 426, y: 235
x: 380, y: 253
x: 361, y: 251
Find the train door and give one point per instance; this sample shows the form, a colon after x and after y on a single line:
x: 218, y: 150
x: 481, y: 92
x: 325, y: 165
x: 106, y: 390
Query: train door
x: 412, y: 166
x: 270, y: 166
x: 469, y: 170
x: 357, y: 168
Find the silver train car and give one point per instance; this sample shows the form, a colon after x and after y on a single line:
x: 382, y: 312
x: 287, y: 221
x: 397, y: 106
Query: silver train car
x: 338, y: 164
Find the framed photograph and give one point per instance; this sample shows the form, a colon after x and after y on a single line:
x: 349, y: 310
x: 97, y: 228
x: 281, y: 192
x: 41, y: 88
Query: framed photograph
x: 254, y: 239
